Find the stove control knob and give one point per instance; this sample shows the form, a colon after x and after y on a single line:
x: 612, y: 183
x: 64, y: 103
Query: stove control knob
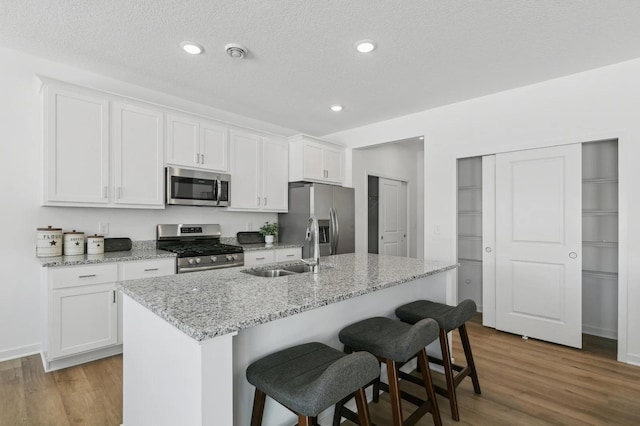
x: 191, y: 261
x: 198, y: 260
x: 229, y: 258
x: 214, y: 259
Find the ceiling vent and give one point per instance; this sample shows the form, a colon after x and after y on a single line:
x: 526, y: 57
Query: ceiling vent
x: 236, y: 51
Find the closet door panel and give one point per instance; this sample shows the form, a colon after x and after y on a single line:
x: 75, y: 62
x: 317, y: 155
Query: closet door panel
x: 539, y: 244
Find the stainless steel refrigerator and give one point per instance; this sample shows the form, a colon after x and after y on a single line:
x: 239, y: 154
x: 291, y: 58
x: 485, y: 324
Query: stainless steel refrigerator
x: 332, y: 205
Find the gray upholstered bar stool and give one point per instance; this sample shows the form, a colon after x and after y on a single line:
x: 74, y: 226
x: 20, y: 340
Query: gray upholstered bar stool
x: 309, y: 378
x: 449, y: 318
x: 394, y: 343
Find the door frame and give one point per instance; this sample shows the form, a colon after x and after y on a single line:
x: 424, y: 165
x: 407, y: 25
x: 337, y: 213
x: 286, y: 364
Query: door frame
x: 625, y: 164
x: 368, y: 173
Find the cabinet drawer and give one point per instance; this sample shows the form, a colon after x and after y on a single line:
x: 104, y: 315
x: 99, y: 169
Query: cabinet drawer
x: 75, y: 276
x: 288, y: 254
x: 259, y: 257
x: 147, y: 269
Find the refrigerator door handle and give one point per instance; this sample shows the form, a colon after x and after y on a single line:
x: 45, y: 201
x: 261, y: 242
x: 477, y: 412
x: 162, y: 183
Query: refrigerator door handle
x: 331, y: 235
x: 336, y: 232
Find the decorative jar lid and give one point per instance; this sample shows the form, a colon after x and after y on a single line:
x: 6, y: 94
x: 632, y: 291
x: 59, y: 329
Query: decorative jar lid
x: 49, y: 228
x: 74, y: 232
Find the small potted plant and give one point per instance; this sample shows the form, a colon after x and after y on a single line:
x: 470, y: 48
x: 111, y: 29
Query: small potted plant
x: 269, y: 230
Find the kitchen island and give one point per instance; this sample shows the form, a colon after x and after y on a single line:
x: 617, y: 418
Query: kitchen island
x: 189, y: 338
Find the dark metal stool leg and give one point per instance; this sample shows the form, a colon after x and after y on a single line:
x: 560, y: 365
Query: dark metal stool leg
x: 448, y: 374
x: 258, y: 407
x: 304, y: 420
x: 464, y: 337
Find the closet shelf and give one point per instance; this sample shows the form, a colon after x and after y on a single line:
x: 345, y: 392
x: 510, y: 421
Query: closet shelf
x: 469, y: 212
x: 469, y: 237
x: 599, y: 212
x: 464, y: 259
x: 469, y: 188
x: 600, y: 180
x: 601, y: 274
x: 600, y: 243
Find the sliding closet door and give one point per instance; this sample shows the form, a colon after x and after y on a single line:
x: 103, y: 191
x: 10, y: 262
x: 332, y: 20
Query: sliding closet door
x: 539, y: 244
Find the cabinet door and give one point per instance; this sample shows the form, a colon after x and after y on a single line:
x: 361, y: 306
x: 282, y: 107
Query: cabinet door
x: 183, y: 141
x: 289, y: 254
x: 138, y: 160
x: 275, y: 188
x: 332, y: 161
x: 245, y: 171
x: 82, y: 319
x: 313, y: 158
x: 214, y: 147
x: 76, y: 148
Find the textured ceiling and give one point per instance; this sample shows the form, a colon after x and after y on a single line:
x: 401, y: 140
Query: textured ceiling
x: 430, y: 52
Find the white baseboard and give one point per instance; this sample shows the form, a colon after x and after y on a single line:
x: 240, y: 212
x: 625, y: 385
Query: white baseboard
x: 19, y: 352
x: 633, y: 359
x: 600, y: 332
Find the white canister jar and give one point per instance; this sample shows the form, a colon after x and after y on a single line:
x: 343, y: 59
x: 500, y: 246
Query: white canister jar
x: 95, y: 244
x: 73, y: 243
x: 49, y: 242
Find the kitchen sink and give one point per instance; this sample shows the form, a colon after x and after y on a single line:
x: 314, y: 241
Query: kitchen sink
x: 283, y: 271
x: 269, y: 273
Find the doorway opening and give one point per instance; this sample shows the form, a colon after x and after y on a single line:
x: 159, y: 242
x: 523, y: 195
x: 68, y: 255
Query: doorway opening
x: 387, y: 211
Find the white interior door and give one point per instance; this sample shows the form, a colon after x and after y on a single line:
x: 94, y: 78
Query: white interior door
x: 392, y: 218
x: 539, y: 244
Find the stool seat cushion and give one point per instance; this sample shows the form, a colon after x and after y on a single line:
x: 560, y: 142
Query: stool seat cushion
x: 448, y: 317
x: 387, y: 338
x: 310, y: 378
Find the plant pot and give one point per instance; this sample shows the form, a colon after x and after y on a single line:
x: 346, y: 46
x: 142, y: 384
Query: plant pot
x: 268, y: 239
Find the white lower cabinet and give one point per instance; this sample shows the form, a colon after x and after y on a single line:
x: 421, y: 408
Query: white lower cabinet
x: 262, y: 257
x: 83, y: 309
x: 82, y: 319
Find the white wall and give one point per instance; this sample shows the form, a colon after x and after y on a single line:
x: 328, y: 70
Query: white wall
x: 599, y: 104
x: 20, y: 183
x: 389, y: 161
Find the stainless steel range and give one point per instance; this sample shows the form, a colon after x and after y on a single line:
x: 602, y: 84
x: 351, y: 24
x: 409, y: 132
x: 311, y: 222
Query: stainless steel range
x: 198, y: 247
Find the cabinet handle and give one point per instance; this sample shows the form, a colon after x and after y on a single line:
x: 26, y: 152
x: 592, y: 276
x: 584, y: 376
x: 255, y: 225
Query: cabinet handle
x: 573, y: 255
x: 290, y: 255
x: 104, y: 192
x: 265, y: 201
x: 198, y: 158
x: 87, y: 276
x: 150, y: 269
x: 258, y: 200
x: 259, y: 258
x: 488, y: 249
x: 114, y: 296
x: 202, y: 158
x: 119, y: 191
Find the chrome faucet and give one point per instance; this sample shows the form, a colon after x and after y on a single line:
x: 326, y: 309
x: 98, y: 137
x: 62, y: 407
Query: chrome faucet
x: 312, y: 228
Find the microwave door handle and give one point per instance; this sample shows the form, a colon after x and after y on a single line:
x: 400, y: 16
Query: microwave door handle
x: 219, y: 185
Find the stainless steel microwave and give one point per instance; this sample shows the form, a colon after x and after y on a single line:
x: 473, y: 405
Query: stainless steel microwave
x: 197, y: 188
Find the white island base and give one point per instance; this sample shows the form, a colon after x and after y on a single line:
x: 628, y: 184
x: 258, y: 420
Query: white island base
x: 172, y: 379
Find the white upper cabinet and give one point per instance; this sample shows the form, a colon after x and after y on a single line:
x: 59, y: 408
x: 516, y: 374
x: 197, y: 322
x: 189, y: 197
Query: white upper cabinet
x: 197, y: 143
x: 97, y: 157
x: 314, y: 160
x: 76, y: 149
x: 259, y: 173
x: 138, y: 142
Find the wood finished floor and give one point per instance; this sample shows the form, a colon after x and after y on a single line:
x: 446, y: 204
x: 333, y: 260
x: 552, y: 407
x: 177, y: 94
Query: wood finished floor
x: 523, y: 383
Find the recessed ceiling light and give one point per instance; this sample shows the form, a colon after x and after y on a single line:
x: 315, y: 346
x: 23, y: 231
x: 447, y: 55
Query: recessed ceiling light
x: 192, y: 48
x: 336, y: 108
x: 365, y: 46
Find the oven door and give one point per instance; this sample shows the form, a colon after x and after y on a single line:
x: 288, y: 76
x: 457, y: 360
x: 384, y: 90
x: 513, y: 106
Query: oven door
x: 194, y: 188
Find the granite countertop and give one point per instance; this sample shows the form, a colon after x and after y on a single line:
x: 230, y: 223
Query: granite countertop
x: 263, y: 246
x: 116, y: 256
x: 212, y: 303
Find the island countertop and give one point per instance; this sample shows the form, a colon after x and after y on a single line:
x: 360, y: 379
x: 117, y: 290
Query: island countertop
x: 207, y: 304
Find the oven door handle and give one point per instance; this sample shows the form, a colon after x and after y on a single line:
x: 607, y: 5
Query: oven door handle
x: 219, y: 185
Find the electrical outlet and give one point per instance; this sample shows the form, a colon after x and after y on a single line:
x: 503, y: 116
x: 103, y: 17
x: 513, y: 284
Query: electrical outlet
x: 103, y: 228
